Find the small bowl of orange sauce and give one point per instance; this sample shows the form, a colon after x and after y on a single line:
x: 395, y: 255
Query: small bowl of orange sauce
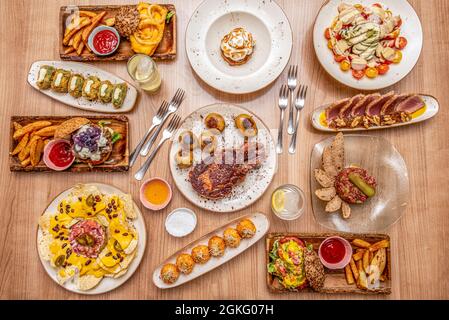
x: 155, y: 194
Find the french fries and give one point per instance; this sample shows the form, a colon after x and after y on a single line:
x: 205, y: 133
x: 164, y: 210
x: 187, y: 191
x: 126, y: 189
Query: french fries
x: 368, y: 265
x: 77, y: 32
x: 33, y: 138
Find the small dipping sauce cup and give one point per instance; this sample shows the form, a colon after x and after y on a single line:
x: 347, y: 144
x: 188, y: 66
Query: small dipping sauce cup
x: 104, y: 40
x: 180, y: 222
x: 335, y: 252
x: 155, y: 194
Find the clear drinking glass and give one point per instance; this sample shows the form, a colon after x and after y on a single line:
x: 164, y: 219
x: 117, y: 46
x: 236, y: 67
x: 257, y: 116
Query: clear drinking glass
x: 143, y: 70
x: 287, y: 202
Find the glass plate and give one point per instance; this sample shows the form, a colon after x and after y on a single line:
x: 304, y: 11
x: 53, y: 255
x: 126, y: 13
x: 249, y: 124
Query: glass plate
x: 380, y: 158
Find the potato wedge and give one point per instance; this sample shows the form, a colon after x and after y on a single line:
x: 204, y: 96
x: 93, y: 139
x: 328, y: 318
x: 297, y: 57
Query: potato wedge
x: 30, y: 127
x: 358, y: 255
x: 349, y: 276
x: 77, y: 39
x: 47, y: 131
x: 380, y: 260
x: 361, y: 243
x: 80, y: 48
x: 379, y: 245
x: 69, y: 50
x: 46, y: 141
x: 94, y: 23
x: 33, y: 152
x: 354, y: 269
x: 72, y: 32
x: 36, y: 153
x: 25, y: 162
x: 85, y: 13
x: 16, y: 125
x: 362, y: 282
x: 365, y: 261
x: 22, y: 144
x: 26, y: 151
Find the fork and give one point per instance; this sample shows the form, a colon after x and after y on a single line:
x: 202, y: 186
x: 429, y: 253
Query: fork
x: 299, y: 105
x: 292, y: 82
x: 172, y: 108
x: 283, y: 103
x: 157, y: 120
x: 166, y: 134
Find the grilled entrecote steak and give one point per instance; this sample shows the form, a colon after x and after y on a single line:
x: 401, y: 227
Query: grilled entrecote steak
x: 215, y: 177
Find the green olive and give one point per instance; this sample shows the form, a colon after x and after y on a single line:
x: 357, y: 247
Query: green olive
x: 90, y: 200
x: 246, y: 125
x: 60, y: 260
x: 215, y: 121
x: 188, y: 140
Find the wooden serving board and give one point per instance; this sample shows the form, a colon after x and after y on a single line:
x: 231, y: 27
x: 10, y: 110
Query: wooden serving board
x: 119, y: 155
x: 165, y: 51
x: 335, y: 279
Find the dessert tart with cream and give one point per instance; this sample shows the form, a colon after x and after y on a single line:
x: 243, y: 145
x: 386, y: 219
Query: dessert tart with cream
x: 237, y: 46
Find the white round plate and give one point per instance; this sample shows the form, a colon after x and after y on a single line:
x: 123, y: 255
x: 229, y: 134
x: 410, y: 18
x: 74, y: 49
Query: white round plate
x: 262, y: 225
x: 106, y: 284
x: 82, y: 103
x: 213, y: 19
x: 411, y: 29
x: 256, y: 181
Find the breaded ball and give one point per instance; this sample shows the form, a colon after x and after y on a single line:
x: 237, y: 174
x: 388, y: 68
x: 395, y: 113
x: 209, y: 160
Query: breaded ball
x: 169, y: 273
x: 216, y: 246
x: 200, y: 254
x: 185, y: 263
x: 231, y: 238
x: 246, y: 228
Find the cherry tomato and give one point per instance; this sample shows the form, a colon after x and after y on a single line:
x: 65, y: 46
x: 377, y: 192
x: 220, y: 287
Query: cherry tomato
x: 377, y: 5
x: 364, y: 15
x: 339, y: 58
x: 345, y: 65
x: 371, y: 73
x: 383, y: 68
x: 295, y: 239
x: 327, y: 33
x: 358, y: 74
x: 398, y: 57
x: 400, y: 43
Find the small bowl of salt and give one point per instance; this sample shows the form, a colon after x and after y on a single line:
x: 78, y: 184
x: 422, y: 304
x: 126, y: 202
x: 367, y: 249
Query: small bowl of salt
x: 180, y: 222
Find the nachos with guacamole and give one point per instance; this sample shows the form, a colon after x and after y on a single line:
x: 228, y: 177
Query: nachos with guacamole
x: 91, y: 236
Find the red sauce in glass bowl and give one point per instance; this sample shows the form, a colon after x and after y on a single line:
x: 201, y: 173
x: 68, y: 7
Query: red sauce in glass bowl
x: 58, y: 155
x: 105, y: 41
x: 333, y: 250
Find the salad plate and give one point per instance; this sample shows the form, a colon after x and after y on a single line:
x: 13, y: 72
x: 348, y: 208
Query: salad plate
x: 267, y: 24
x: 407, y: 26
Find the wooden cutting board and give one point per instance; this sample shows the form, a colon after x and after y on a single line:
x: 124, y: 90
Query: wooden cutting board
x: 119, y: 156
x: 335, y: 279
x: 165, y: 51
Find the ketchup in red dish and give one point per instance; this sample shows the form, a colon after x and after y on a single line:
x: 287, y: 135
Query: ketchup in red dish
x: 105, y: 41
x: 333, y: 250
x: 61, y: 154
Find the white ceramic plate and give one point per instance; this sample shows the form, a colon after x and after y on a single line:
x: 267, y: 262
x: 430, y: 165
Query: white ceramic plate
x: 215, y: 18
x: 256, y: 181
x: 432, y: 108
x: 411, y: 29
x: 262, y: 225
x: 82, y: 103
x: 381, y: 159
x: 106, y: 284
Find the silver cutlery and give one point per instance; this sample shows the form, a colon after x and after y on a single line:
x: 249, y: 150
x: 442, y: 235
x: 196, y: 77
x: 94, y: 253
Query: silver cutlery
x: 166, y: 134
x: 292, y: 82
x: 157, y: 120
x: 299, y: 105
x: 283, y: 103
x: 172, y: 108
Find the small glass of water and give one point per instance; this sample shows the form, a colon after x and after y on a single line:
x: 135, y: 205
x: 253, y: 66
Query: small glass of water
x: 144, y: 71
x: 287, y: 202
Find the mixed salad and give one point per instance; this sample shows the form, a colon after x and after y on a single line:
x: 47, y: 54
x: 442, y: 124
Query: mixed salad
x: 365, y: 39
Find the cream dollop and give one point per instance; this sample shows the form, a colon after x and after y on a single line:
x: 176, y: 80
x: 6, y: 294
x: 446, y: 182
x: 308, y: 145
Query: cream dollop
x: 237, y: 45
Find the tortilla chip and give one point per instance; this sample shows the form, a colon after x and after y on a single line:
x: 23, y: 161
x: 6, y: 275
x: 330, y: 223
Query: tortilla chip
x: 103, y: 220
x: 69, y: 126
x: 338, y: 152
x: 128, y: 259
x: 132, y: 246
x: 87, y: 282
x: 70, y: 273
x: 128, y: 206
x: 120, y: 274
x: 43, y: 246
x: 44, y: 221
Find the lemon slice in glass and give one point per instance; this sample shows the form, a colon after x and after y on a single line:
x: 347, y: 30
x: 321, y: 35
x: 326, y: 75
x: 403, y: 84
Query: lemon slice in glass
x: 278, y: 200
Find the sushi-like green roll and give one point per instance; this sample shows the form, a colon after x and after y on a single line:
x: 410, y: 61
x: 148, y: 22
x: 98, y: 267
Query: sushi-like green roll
x: 105, y: 93
x: 60, y: 81
x: 91, y: 87
x: 119, y: 94
x: 76, y: 85
x: 44, y: 77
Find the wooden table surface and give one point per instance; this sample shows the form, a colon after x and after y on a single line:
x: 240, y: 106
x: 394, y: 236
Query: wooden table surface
x: 420, y: 243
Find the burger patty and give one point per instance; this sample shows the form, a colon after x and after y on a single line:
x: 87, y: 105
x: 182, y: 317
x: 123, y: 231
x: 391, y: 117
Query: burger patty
x: 347, y: 191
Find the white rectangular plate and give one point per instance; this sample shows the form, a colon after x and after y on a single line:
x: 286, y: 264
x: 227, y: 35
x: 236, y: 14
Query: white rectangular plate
x: 262, y: 225
x: 82, y: 103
